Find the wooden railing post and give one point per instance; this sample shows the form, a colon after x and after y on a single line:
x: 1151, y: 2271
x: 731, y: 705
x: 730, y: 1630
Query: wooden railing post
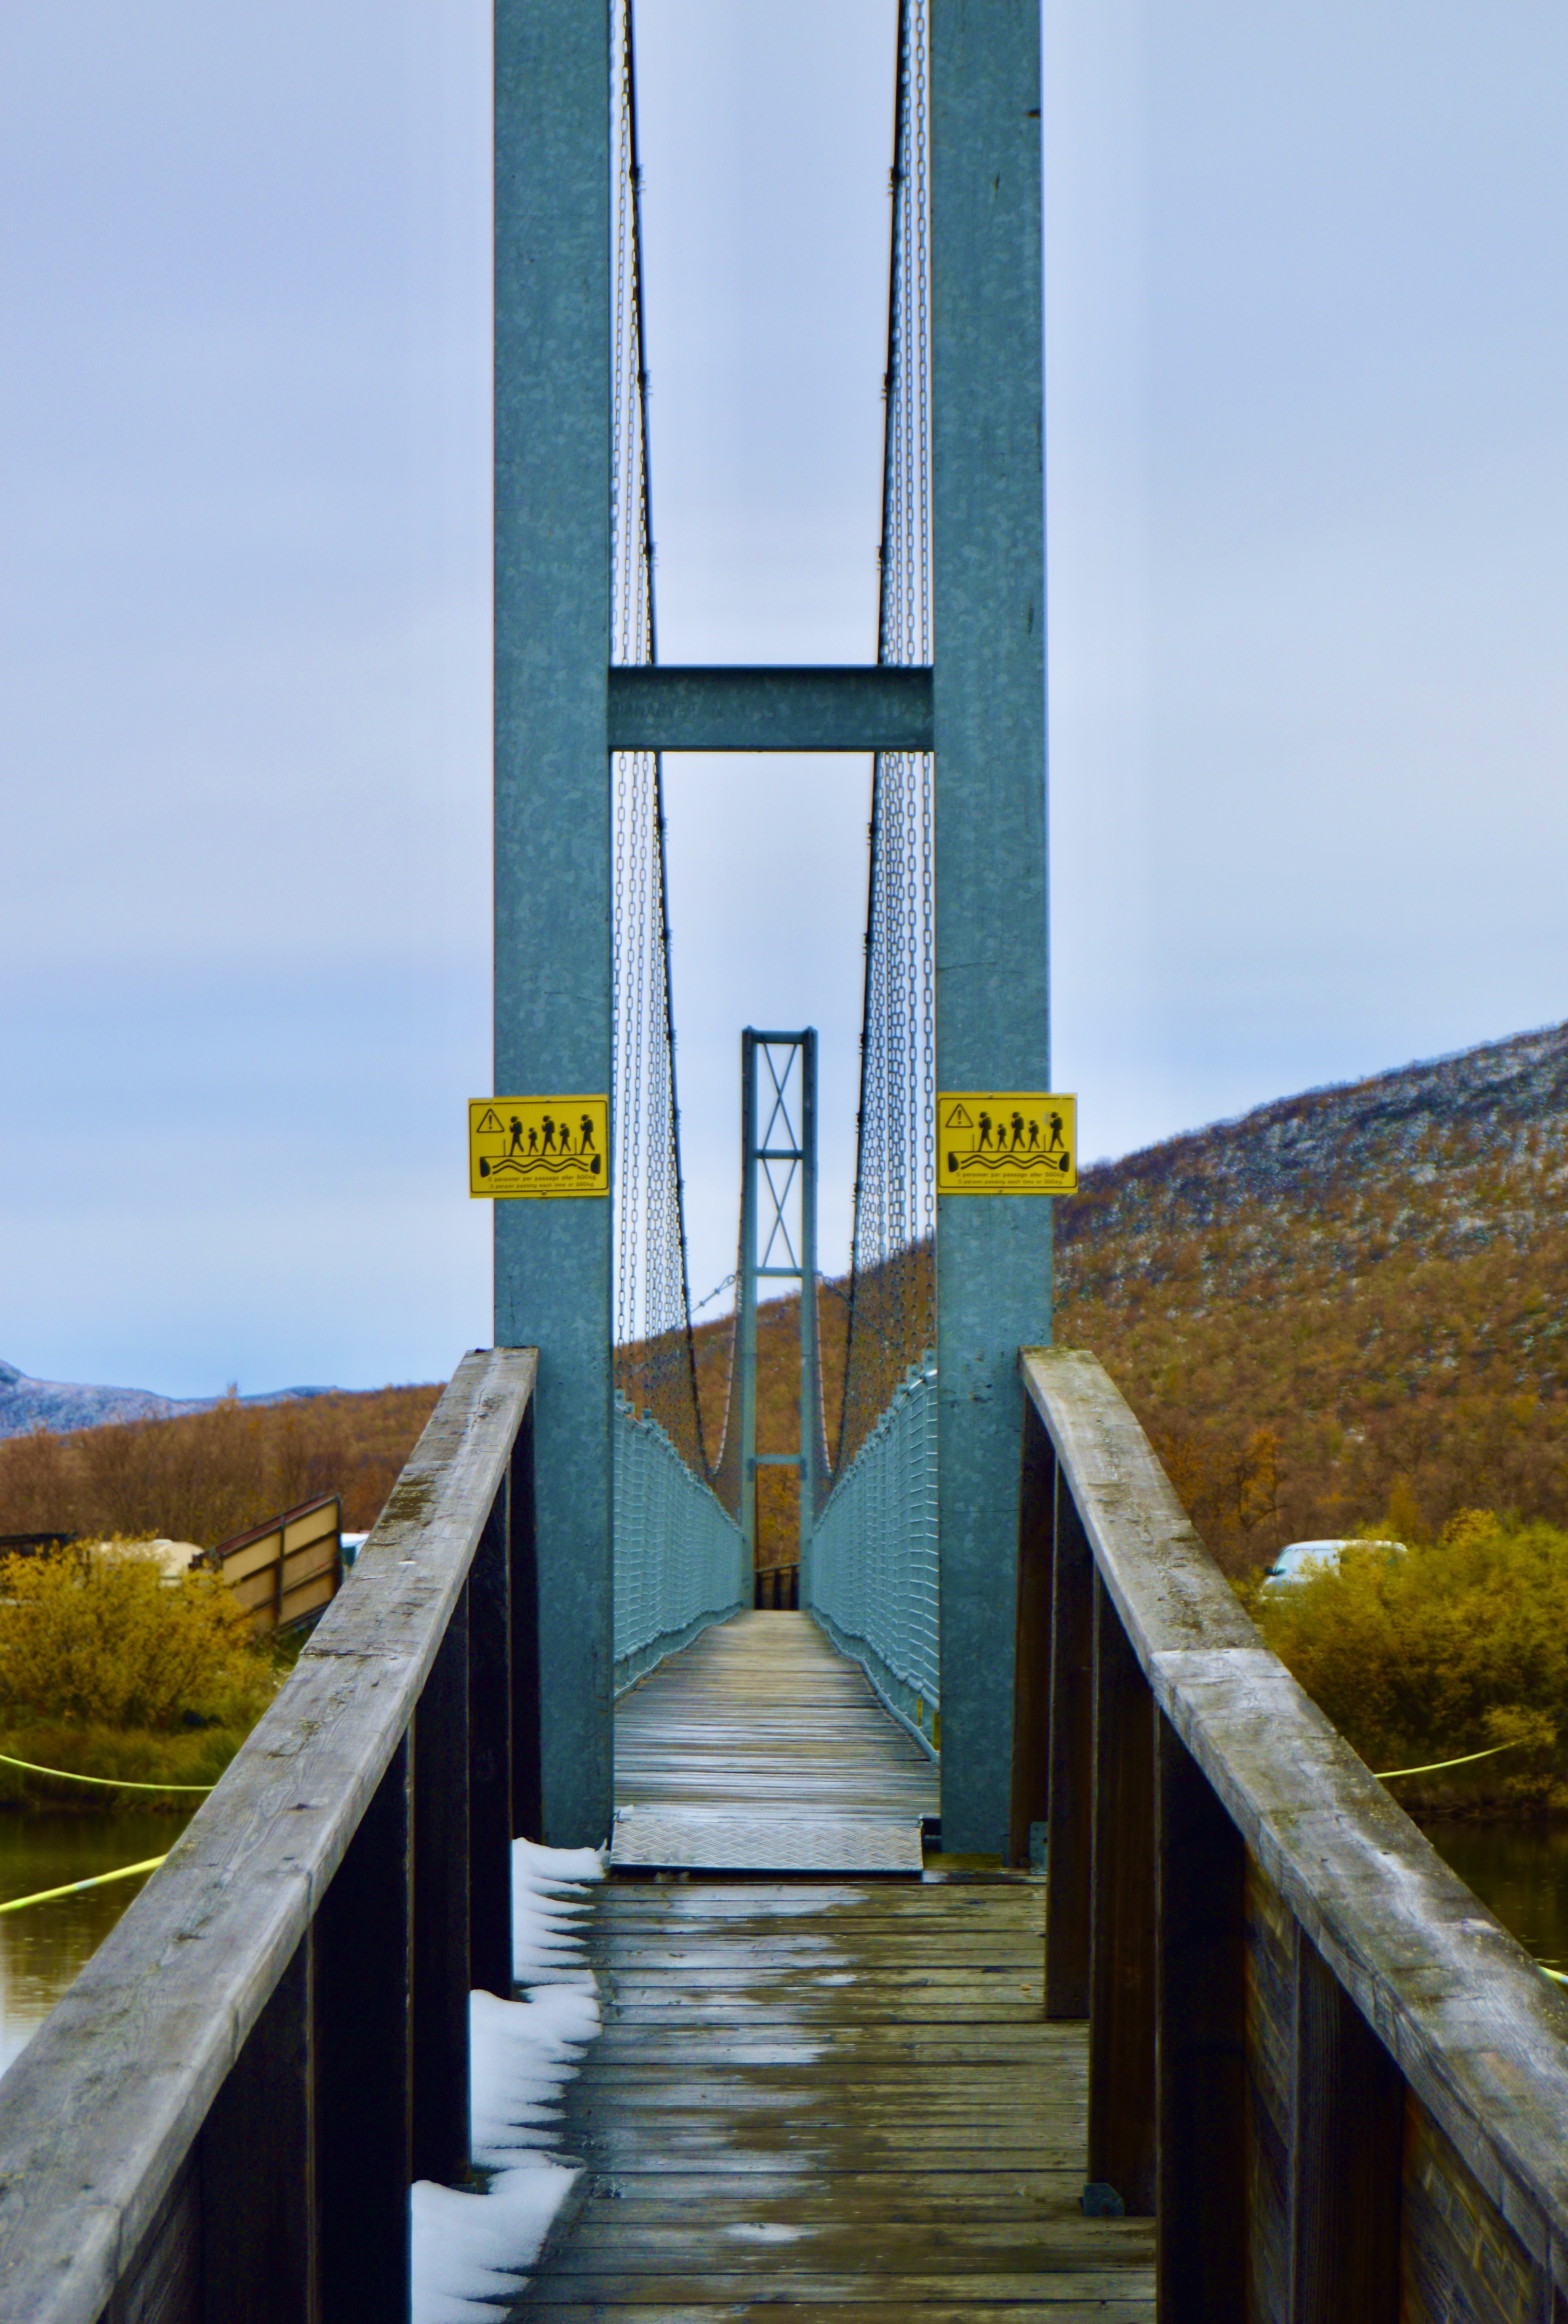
x: 1121, y: 2111
x: 364, y: 2063
x: 258, y: 2169
x: 1031, y: 1712
x: 1069, y: 1844
x: 1346, y: 2156
x: 441, y: 1906
x: 490, y: 1755
x: 527, y: 1768
x: 1200, y: 2048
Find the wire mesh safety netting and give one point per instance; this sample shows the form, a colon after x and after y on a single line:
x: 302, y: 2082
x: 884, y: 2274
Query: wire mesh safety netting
x: 891, y: 1297
x: 655, y: 1357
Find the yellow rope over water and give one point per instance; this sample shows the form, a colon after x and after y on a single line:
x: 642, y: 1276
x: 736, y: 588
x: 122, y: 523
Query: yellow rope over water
x: 110, y: 1782
x: 125, y: 1872
x: 1437, y: 1765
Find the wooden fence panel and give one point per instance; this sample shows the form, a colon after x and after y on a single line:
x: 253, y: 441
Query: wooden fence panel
x: 1270, y: 2020
x: 490, y: 1754
x: 1121, y: 1976
x: 1069, y: 1843
x: 1347, y: 2136
x: 258, y: 2168
x: 1031, y: 1739
x: 364, y: 2095
x: 1200, y: 2058
x: 442, y: 1975
x: 288, y: 1569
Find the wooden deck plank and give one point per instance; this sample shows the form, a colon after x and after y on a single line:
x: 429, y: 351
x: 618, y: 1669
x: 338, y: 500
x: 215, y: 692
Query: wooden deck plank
x: 612, y: 2289
x: 821, y: 2098
x: 1067, y: 2310
x: 761, y: 1714
x: 699, y: 2148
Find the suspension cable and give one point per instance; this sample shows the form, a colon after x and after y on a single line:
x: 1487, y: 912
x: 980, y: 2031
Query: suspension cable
x: 891, y: 1319
x: 656, y: 1347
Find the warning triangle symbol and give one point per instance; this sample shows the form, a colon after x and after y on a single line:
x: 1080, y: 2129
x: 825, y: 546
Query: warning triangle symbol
x: 959, y: 1120
x: 490, y: 1120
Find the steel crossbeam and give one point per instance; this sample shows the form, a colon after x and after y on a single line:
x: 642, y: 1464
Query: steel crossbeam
x: 659, y: 707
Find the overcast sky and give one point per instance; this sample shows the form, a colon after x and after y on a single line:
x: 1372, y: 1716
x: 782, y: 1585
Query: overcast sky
x: 1307, y: 398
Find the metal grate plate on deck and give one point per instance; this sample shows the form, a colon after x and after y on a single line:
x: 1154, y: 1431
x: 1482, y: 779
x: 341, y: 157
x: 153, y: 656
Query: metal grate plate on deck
x: 701, y: 1839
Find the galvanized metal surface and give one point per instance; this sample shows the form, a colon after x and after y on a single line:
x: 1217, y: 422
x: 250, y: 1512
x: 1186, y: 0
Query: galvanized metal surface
x: 822, y: 2099
x: 679, y: 1560
x: 779, y: 1242
x: 992, y: 1032
x: 770, y: 709
x: 873, y: 1584
x: 553, y: 1276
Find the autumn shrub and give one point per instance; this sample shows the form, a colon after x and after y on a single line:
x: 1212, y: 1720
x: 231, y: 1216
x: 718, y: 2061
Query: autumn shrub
x: 1459, y: 1645
x: 101, y: 1638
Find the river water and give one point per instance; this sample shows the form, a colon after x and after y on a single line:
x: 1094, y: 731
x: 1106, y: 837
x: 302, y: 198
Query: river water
x: 43, y: 1946
x: 1520, y: 1870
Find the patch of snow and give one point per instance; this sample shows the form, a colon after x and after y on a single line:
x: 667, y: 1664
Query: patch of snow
x: 521, y: 2054
x: 472, y: 2249
x: 547, y: 1903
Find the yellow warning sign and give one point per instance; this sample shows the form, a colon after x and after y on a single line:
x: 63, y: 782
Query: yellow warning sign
x: 1006, y: 1142
x: 539, y: 1146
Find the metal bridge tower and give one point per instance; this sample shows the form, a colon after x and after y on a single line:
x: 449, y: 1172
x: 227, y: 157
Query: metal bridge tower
x: 779, y: 1243
x: 560, y: 710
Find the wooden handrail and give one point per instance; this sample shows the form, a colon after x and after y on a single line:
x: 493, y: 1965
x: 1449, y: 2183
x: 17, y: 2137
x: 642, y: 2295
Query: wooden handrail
x: 221, y: 2116
x: 1333, y: 2076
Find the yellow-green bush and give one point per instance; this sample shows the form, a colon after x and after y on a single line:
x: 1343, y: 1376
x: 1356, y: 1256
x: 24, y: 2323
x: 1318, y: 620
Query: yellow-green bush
x: 100, y: 1637
x: 1459, y: 1645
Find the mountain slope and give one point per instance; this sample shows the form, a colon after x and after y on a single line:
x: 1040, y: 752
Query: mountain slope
x: 59, y: 1404
x: 1347, y: 1301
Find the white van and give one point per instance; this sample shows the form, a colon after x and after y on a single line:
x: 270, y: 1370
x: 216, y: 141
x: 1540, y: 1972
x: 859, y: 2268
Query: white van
x: 1302, y: 1560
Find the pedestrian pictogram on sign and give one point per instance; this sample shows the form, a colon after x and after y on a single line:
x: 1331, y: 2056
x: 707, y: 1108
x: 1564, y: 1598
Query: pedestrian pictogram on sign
x: 1006, y: 1142
x: 539, y: 1146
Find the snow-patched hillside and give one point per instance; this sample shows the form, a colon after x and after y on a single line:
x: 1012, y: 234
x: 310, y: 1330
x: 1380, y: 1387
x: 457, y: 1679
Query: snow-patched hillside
x: 1347, y: 1295
x: 59, y: 1404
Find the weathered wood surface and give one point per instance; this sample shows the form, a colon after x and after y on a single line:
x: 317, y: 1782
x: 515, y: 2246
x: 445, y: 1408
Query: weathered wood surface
x: 762, y: 1713
x: 1122, y: 1980
x: 824, y: 2099
x: 1071, y: 1745
x: 105, y: 2107
x: 827, y: 2096
x: 1029, y: 1802
x: 1201, y: 2033
x: 1480, y: 2038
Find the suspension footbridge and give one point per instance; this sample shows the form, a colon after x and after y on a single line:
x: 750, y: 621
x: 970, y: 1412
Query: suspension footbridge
x: 999, y: 1930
